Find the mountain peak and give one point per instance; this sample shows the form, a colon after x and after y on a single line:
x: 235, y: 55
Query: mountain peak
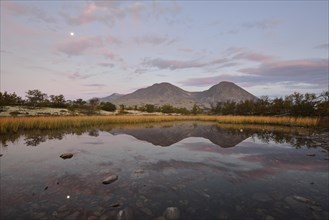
x: 224, y: 91
x: 166, y: 93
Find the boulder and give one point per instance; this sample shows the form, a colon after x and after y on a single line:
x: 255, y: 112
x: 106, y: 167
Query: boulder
x: 110, y: 179
x: 66, y: 156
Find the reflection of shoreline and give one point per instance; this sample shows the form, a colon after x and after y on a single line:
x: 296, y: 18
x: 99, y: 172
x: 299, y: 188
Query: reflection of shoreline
x: 168, y: 133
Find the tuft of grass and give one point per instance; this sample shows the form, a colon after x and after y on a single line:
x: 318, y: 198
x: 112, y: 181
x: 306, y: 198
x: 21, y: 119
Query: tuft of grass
x: 15, y: 124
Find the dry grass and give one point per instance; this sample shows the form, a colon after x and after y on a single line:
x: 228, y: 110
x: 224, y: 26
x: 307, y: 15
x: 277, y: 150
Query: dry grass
x: 15, y: 124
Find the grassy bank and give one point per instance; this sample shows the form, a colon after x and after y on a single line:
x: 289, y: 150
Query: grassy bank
x: 15, y: 124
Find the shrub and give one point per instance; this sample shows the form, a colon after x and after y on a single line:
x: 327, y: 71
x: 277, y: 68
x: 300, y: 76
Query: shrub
x: 108, y: 106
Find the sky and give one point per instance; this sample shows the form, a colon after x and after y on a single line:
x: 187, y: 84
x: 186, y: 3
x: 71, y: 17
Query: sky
x: 85, y: 49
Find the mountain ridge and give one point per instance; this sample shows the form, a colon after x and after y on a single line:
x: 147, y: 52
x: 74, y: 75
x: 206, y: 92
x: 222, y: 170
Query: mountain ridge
x: 166, y: 93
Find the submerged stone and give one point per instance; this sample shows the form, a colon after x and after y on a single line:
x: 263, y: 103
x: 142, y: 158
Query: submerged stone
x: 110, y: 179
x: 125, y: 214
x: 115, y: 205
x: 261, y: 197
x: 74, y: 216
x: 66, y: 156
x: 171, y: 213
x: 305, y: 200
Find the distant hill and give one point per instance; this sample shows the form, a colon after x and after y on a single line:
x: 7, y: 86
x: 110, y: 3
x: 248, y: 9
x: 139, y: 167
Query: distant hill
x: 111, y: 98
x: 166, y: 93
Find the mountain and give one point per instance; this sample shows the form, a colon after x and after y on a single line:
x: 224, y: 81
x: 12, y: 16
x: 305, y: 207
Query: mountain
x: 111, y: 98
x: 166, y: 93
x: 158, y: 94
x: 222, y: 92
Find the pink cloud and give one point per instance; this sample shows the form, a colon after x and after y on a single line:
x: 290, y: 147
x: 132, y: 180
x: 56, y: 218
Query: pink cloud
x: 238, y: 53
x: 253, y: 56
x: 98, y: 11
x: 77, y: 46
x: 29, y: 10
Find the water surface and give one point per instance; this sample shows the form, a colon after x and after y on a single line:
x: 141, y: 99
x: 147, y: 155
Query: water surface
x: 206, y: 171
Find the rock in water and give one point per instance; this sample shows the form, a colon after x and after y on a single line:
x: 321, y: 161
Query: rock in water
x: 171, y: 213
x: 125, y: 214
x: 305, y: 200
x: 110, y: 179
x: 66, y: 156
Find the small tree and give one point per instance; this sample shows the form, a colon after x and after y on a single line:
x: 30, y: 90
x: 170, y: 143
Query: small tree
x: 94, y: 102
x: 10, y: 99
x: 36, y: 97
x: 195, y: 109
x: 122, y: 109
x: 57, y: 101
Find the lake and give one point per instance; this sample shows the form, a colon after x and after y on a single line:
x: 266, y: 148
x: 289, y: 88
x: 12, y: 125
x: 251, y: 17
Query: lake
x: 165, y: 171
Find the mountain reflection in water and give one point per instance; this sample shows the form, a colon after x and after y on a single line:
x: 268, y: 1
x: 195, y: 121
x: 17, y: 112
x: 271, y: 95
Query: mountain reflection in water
x: 167, y: 134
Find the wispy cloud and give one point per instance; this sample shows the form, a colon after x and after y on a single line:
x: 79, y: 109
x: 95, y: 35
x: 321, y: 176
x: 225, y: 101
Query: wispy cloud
x: 95, y: 85
x: 208, y: 80
x: 160, y: 9
x: 140, y: 70
x: 186, y: 50
x: 77, y: 75
x: 179, y: 64
x: 5, y: 51
x: 105, y: 64
x: 297, y: 72
x: 112, y: 40
x: 111, y: 12
x: 322, y: 46
x: 97, y: 11
x: 253, y: 56
x: 28, y: 10
x: 154, y: 39
x: 265, y: 24
x: 240, y: 53
x: 308, y: 71
x: 229, y: 58
x: 77, y: 46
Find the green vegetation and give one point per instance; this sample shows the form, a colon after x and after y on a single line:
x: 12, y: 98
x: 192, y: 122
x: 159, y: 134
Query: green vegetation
x: 15, y: 124
x: 295, y: 105
x: 108, y: 106
x: 36, y: 99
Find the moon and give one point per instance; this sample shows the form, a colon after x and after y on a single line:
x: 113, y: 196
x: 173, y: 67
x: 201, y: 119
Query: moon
x: 72, y: 33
